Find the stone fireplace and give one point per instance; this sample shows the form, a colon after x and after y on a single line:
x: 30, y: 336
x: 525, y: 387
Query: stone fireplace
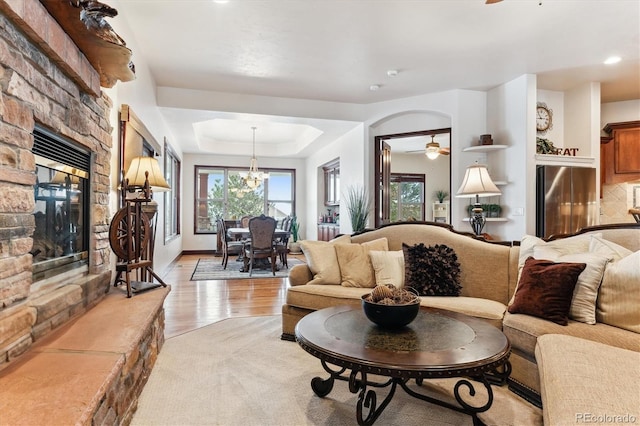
x: 48, y: 82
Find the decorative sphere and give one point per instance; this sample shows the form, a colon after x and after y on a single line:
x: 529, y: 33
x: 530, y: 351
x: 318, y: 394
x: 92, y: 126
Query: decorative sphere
x: 390, y: 316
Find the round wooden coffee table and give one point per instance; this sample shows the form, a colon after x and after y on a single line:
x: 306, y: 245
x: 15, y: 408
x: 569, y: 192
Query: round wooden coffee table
x: 437, y: 344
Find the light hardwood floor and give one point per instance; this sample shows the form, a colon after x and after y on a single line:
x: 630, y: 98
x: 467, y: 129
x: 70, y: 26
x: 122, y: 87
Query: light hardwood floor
x: 194, y: 304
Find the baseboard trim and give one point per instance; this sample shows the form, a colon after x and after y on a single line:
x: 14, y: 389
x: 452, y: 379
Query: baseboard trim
x: 186, y: 252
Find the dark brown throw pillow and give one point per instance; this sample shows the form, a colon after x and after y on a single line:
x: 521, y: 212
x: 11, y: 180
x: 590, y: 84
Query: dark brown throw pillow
x: 546, y: 288
x: 432, y: 271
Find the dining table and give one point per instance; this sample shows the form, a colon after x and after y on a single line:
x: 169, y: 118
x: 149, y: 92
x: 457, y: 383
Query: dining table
x: 244, y: 233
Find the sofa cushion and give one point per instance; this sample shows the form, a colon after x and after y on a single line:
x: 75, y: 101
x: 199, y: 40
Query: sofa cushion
x: 322, y: 260
x: 620, y: 294
x: 583, y: 302
x: 569, y: 245
x: 486, y: 309
x: 388, y: 267
x: 432, y: 270
x: 356, y: 269
x: 608, y: 248
x: 587, y: 382
x: 315, y: 296
x: 546, y: 288
x: 523, y: 331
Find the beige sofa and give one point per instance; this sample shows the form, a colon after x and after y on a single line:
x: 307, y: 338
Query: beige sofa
x: 488, y: 275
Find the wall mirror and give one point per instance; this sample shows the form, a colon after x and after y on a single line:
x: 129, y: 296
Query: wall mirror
x: 408, y: 180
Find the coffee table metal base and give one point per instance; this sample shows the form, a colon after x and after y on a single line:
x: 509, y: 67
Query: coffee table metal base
x: 438, y: 344
x: 368, y: 400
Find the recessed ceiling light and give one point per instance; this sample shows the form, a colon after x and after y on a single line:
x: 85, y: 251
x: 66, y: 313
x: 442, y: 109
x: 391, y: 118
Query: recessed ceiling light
x: 374, y: 87
x: 612, y: 60
x: 392, y: 73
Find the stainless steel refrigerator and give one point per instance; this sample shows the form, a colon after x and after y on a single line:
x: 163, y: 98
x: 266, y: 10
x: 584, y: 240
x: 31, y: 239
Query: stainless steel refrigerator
x: 566, y: 199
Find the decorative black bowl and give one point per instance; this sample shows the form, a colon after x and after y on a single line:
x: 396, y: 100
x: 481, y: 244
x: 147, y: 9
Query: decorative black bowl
x: 390, y: 316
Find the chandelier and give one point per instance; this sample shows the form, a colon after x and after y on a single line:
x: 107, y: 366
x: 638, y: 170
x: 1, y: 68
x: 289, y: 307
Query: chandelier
x: 253, y: 178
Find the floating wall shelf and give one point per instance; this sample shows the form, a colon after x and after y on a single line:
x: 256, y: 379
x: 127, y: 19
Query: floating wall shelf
x: 484, y: 148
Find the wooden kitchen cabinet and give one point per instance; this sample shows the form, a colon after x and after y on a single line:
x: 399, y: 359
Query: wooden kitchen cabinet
x: 620, y: 152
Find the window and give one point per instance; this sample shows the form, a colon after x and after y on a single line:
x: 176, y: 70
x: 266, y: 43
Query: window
x: 171, y: 197
x: 61, y: 235
x: 221, y: 192
x: 407, y: 197
x: 332, y: 183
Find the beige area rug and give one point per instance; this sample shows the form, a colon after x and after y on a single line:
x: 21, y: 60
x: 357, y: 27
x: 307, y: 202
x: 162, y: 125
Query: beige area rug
x: 211, y: 269
x: 239, y: 372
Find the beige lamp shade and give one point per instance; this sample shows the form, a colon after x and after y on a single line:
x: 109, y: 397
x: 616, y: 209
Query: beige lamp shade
x: 136, y: 174
x: 60, y: 177
x: 477, y: 182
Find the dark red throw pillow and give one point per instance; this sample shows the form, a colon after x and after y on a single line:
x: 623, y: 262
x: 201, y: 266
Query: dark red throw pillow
x: 546, y: 288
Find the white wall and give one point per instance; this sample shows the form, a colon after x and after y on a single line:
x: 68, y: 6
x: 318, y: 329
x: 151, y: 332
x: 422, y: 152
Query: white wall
x: 507, y: 112
x: 616, y: 112
x: 140, y: 95
x: 350, y: 150
x: 582, y: 119
x: 555, y: 101
x: 437, y: 172
x: 466, y: 110
x: 511, y: 119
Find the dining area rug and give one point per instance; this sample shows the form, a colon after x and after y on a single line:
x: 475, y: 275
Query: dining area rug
x: 211, y: 269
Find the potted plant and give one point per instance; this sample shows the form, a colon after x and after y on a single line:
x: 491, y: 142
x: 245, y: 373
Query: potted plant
x: 358, y: 206
x: 294, y: 246
x: 494, y: 210
x: 545, y: 146
x: 441, y: 195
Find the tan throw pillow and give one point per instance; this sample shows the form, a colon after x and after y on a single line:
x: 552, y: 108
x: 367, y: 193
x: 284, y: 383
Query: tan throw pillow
x: 569, y: 245
x: 619, y: 298
x: 388, y: 267
x: 609, y: 248
x: 585, y: 294
x: 322, y: 261
x: 356, y: 269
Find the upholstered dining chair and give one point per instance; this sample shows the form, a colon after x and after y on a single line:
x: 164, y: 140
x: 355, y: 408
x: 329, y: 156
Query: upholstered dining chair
x: 261, y: 229
x: 244, y: 221
x: 282, y: 243
x: 228, y: 246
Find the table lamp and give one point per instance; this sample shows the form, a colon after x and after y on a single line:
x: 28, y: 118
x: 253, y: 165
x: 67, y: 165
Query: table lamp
x: 136, y: 175
x: 476, y: 183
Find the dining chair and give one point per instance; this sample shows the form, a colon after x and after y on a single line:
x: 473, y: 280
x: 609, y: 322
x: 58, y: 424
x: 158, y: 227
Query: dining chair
x: 282, y: 244
x: 261, y: 246
x: 228, y: 246
x: 244, y: 221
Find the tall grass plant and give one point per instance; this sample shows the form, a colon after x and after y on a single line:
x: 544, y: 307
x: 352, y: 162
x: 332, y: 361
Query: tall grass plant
x: 358, y: 206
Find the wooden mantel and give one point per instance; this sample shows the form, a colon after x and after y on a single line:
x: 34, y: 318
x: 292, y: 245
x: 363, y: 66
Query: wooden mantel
x: 84, y: 23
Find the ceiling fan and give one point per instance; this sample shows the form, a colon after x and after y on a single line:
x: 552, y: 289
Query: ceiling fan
x: 432, y: 149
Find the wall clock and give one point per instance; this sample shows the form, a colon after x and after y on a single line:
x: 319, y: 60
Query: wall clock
x: 544, y: 118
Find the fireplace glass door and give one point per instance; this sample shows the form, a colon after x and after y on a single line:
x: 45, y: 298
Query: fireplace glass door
x: 60, y: 239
